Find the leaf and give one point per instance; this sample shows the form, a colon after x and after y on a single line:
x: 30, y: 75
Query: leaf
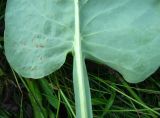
x: 38, y: 35
x: 121, y: 34
x: 48, y: 93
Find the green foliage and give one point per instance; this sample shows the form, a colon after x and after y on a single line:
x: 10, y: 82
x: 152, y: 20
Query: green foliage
x: 113, y: 32
x: 123, y: 35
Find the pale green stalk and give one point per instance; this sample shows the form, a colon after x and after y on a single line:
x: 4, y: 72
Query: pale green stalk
x: 81, y: 86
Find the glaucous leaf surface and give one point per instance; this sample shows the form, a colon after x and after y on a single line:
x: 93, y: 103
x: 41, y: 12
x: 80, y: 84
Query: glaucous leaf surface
x: 38, y: 35
x: 123, y: 34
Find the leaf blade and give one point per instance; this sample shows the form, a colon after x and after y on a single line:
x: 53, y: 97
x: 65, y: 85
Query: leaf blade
x: 41, y: 45
x: 123, y: 35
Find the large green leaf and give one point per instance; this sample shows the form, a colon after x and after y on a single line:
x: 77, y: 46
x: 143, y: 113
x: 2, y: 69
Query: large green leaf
x: 38, y: 35
x: 123, y: 34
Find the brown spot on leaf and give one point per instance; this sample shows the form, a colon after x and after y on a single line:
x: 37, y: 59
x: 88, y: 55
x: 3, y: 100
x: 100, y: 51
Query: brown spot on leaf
x: 40, y: 46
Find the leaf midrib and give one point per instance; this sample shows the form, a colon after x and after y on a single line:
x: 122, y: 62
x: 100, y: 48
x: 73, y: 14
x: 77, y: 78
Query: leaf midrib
x: 79, y: 64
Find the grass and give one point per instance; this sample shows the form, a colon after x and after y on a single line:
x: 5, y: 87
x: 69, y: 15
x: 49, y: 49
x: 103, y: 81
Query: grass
x: 53, y: 96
